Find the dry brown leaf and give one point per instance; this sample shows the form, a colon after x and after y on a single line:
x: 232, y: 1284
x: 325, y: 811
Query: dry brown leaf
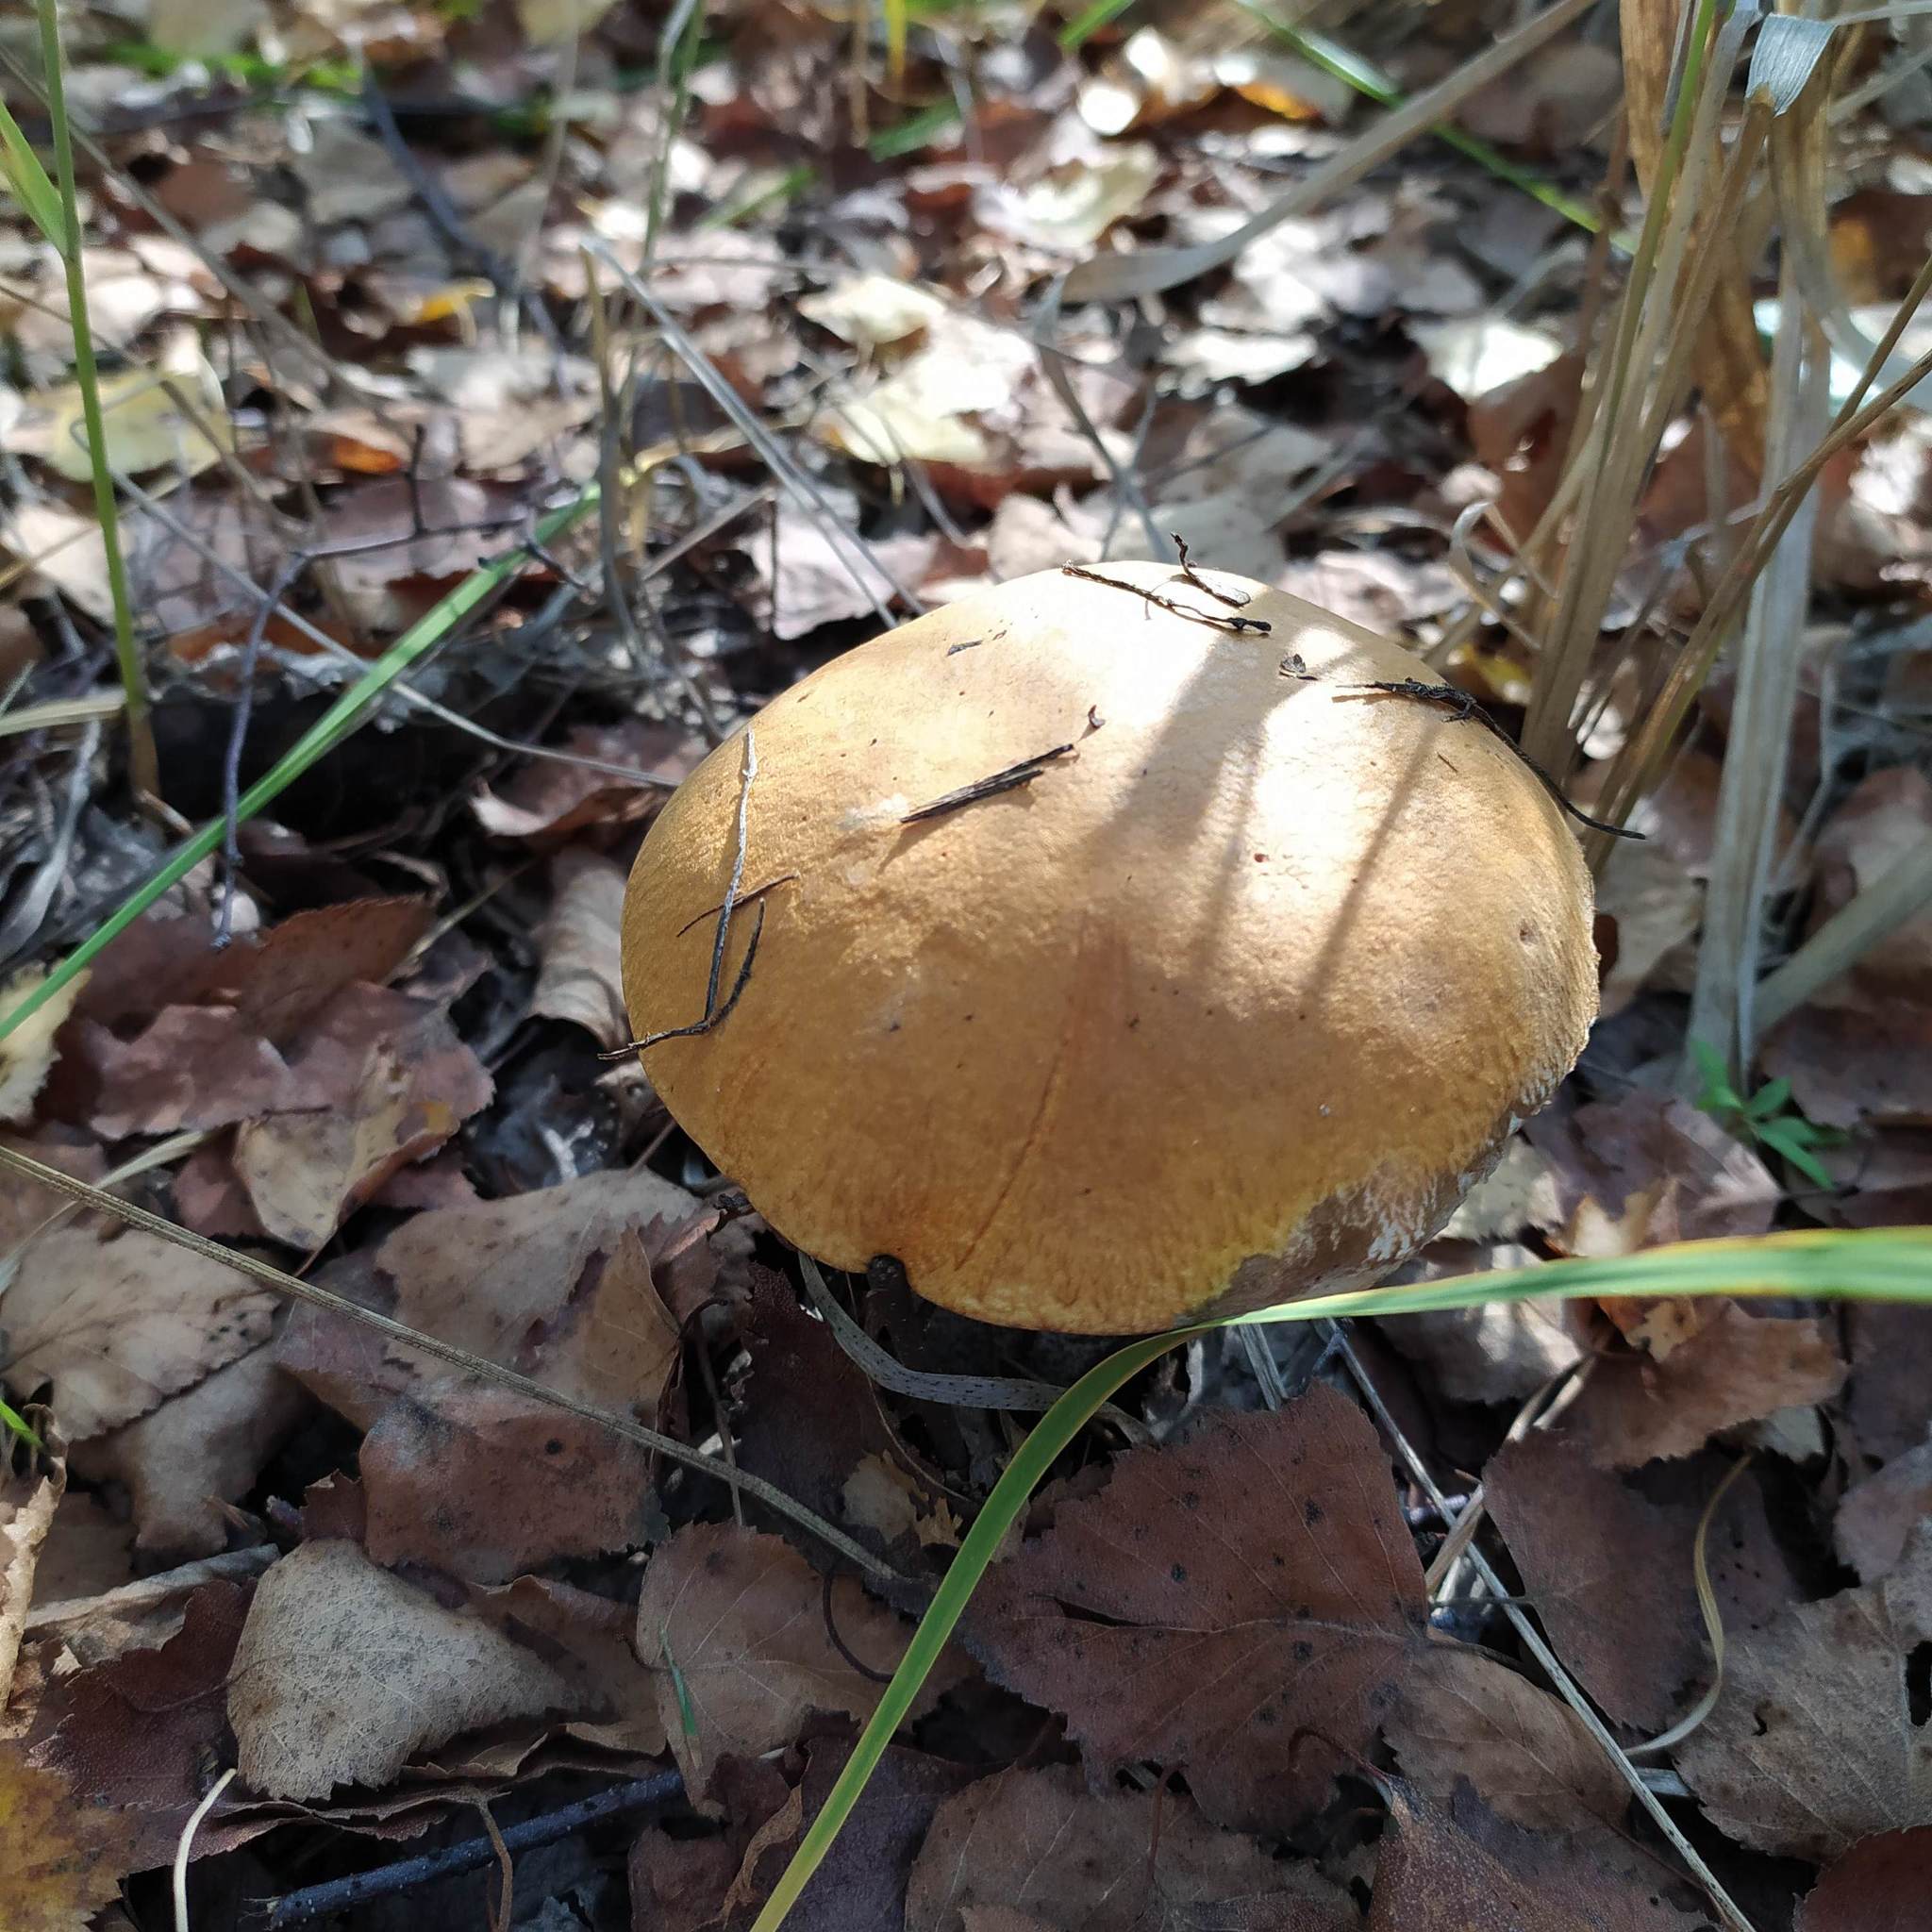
x: 613, y: 1341
x: 1241, y: 1609
x: 89, y: 1552
x: 31, y: 1485
x: 61, y: 1859
x: 814, y: 584
x: 1849, y: 1067
x: 1039, y: 1847
x: 545, y: 799
x: 1608, y: 1573
x: 1877, y: 1516
x: 385, y: 1082
x: 135, y: 1731
x: 117, y: 1325
x: 486, y: 1484
x: 1889, y: 1400
x: 1462, y: 1715
x: 1648, y: 1169
x: 191, y: 1067
x: 198, y: 1450
x: 1878, y: 1886
x: 1459, y: 1867
x: 580, y: 978
x: 1887, y: 816
x: 1496, y: 1350
x: 1812, y: 1745
x: 1738, y: 1368
x: 343, y: 1671
x: 732, y: 1623
x: 497, y: 1279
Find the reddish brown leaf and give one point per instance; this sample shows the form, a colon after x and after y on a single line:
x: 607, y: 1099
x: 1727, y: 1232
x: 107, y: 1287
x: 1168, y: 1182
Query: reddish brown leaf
x: 1848, y: 1066
x: 1889, y: 1400
x: 1608, y: 1573
x: 1457, y: 1868
x: 190, y: 1067
x: 135, y: 1732
x: 1811, y: 1745
x: 1039, y: 1844
x: 1880, y: 1885
x: 486, y: 1484
x: 547, y: 799
x: 1878, y: 1515
x: 1241, y: 1609
x: 1738, y: 1368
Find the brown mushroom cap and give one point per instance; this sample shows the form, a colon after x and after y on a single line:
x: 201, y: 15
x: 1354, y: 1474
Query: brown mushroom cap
x: 1230, y: 1002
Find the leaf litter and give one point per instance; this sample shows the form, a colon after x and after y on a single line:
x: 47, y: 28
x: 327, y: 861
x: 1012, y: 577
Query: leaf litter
x: 1230, y: 1673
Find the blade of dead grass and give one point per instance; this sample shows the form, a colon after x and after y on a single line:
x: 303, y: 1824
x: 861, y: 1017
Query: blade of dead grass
x: 1893, y: 1264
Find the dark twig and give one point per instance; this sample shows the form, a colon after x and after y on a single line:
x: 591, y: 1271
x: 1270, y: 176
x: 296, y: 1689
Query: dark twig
x: 472, y: 1855
x: 839, y: 1643
x: 1237, y: 625
x: 1463, y: 708
x: 745, y: 898
x: 715, y: 1015
x: 1234, y: 600
x: 1011, y: 780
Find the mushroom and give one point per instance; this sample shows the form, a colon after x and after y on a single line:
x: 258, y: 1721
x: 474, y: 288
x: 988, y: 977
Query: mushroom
x: 1101, y: 950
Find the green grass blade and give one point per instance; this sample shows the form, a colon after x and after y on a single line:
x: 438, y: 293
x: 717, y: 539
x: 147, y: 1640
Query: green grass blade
x: 13, y: 1419
x: 1318, y: 50
x: 335, y: 724
x: 1883, y: 1264
x: 1089, y: 22
x: 142, y: 764
x: 26, y: 180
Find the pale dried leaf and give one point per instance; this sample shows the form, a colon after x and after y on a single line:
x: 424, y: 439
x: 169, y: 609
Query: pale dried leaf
x: 580, y: 978
x: 1812, y: 1745
x: 116, y: 1325
x: 31, y: 1485
x: 344, y: 1671
x: 27, y: 1054
x: 735, y: 1621
x: 1878, y: 1517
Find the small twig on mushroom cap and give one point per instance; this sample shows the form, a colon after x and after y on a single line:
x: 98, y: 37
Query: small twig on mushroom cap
x: 715, y: 1015
x: 1235, y: 600
x: 1008, y: 779
x: 1464, y: 706
x: 1211, y: 618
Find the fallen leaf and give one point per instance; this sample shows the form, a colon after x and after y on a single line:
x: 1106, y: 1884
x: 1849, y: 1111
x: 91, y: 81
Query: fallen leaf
x: 63, y: 1859
x: 1475, y: 355
x: 116, y: 1325
x: 580, y: 976
x: 869, y: 310
x: 383, y: 1083
x: 1241, y: 1609
x: 734, y: 1627
x: 343, y: 1671
x: 24, y: 1206
x: 134, y: 1732
x: 1848, y: 1067
x: 544, y: 800
x: 89, y: 1552
x: 1608, y: 1573
x: 195, y: 1067
x: 1456, y: 1868
x: 1738, y: 1368
x: 1812, y: 1743
x: 1648, y: 1169
x: 1043, y: 1846
x: 1496, y: 1350
x: 32, y: 1482
x: 1657, y: 904
x: 27, y: 1054
x: 1889, y: 1399
x: 499, y: 1278
x: 1878, y: 1517
x: 1887, y: 816
x: 1070, y: 211
x: 486, y: 1484
x: 819, y: 581
x: 1461, y: 1715
x: 198, y: 1450
x: 144, y: 428
x: 1878, y: 1886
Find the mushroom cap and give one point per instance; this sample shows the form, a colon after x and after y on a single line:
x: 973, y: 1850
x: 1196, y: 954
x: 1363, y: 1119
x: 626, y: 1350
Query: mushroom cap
x: 1230, y: 1002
